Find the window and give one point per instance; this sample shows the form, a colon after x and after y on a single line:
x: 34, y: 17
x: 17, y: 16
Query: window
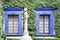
x: 13, y: 21
x: 13, y: 24
x: 44, y: 24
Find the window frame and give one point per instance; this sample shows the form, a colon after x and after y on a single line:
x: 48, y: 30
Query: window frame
x: 45, y: 11
x: 13, y: 11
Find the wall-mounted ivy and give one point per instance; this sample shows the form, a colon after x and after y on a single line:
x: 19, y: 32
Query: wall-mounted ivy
x: 31, y: 5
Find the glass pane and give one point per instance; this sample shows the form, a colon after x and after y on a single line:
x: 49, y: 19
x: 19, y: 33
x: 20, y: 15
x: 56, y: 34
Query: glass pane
x: 10, y: 24
x: 41, y: 30
x: 13, y: 24
x: 41, y: 18
x: 44, y: 24
x: 16, y: 30
x: 41, y: 24
x: 10, y: 30
x: 46, y: 20
x: 46, y: 30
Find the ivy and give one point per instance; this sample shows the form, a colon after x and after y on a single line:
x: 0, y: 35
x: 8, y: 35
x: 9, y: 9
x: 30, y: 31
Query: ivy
x: 31, y: 5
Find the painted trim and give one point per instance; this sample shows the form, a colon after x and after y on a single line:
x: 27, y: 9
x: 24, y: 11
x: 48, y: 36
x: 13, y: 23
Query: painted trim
x: 5, y: 22
x: 14, y: 11
x: 45, y: 11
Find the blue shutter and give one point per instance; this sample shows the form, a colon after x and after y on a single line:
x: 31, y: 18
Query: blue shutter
x: 49, y: 11
x: 13, y: 11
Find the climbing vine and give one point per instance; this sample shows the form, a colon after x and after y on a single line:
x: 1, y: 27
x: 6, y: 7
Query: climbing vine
x: 31, y: 5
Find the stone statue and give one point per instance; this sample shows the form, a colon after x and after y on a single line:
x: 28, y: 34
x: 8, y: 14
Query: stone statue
x: 26, y: 34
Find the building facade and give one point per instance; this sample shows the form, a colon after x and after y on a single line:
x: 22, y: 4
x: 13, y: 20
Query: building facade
x: 44, y: 21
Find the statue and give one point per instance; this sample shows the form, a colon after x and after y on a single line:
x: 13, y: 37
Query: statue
x: 26, y: 33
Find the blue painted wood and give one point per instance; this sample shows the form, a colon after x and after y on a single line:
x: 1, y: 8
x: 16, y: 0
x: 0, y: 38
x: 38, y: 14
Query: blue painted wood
x: 20, y: 23
x: 52, y: 24
x: 13, y: 11
x: 45, y: 11
x: 37, y: 23
x: 5, y: 23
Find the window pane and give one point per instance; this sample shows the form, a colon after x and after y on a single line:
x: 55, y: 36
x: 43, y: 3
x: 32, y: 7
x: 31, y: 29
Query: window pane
x: 16, y: 30
x: 46, y: 20
x: 10, y: 24
x: 10, y: 30
x: 44, y: 24
x: 41, y: 18
x: 41, y: 30
x: 13, y: 24
x: 41, y: 24
x: 46, y: 30
x: 16, y: 24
